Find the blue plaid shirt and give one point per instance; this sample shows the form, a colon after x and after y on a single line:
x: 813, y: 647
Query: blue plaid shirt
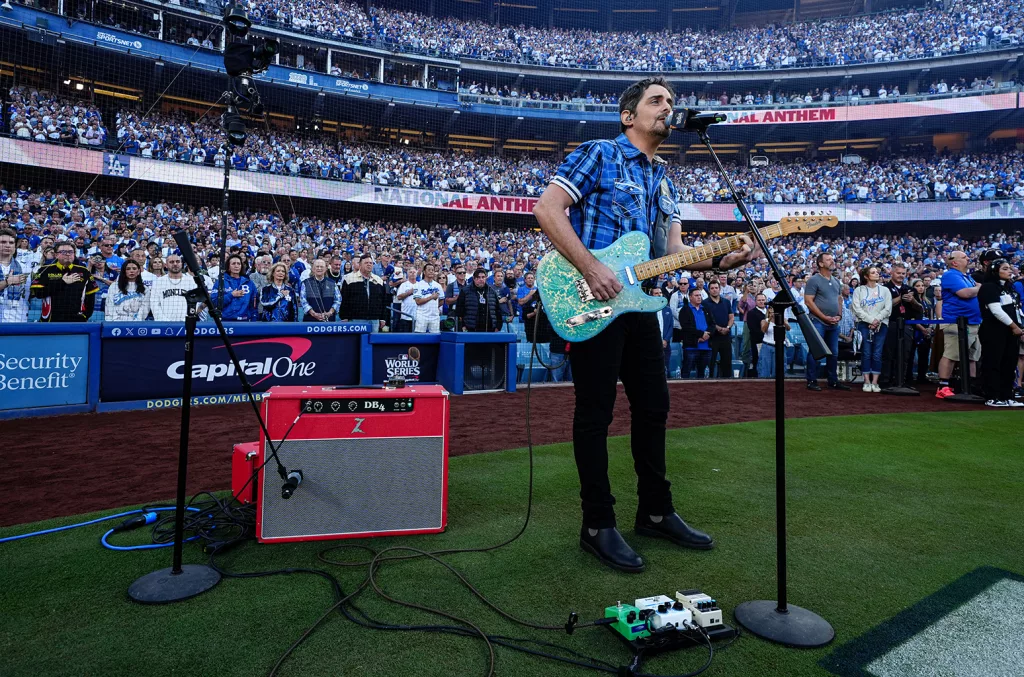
x: 615, y: 189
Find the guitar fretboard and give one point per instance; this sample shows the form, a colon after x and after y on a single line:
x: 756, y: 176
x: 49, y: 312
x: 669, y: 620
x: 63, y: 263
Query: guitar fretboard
x: 688, y: 257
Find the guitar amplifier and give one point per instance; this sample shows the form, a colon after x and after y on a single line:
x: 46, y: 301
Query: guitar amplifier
x: 374, y: 462
x: 243, y: 468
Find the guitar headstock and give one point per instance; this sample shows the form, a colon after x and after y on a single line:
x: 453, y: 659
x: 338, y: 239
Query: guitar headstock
x: 808, y: 222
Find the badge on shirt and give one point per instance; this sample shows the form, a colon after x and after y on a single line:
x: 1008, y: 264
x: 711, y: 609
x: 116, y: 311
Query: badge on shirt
x: 666, y: 204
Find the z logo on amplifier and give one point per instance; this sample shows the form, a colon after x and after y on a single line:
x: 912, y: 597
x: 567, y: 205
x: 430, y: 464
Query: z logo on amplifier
x: 356, y: 428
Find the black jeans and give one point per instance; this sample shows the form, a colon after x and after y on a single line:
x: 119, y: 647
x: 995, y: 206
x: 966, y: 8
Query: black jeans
x: 630, y: 349
x: 721, y: 354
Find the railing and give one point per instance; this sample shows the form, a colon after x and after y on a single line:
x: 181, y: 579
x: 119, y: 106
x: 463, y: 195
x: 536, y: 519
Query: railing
x: 582, y: 105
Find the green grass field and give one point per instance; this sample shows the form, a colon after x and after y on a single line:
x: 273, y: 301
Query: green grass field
x: 884, y: 511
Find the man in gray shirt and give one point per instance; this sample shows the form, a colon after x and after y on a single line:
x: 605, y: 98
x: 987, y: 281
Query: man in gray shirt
x: 821, y: 295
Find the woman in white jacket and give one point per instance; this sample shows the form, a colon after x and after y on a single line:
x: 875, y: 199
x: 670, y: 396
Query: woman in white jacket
x: 872, y: 305
x: 128, y: 299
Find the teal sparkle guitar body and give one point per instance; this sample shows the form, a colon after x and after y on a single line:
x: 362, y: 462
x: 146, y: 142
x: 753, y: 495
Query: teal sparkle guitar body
x: 576, y: 319
x: 576, y: 315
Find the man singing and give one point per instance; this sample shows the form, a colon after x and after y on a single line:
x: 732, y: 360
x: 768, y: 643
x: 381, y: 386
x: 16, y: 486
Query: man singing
x: 611, y: 188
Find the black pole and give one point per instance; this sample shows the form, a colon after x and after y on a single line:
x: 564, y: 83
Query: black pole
x: 778, y: 621
x: 186, y: 413
x: 224, y: 226
x: 900, y: 388
x: 780, y: 306
x: 179, y: 582
x: 965, y: 394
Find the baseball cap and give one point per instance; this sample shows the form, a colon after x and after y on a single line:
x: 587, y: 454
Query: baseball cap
x: 990, y: 255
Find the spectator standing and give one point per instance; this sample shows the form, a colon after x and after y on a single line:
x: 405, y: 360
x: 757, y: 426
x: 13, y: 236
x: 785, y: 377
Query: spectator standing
x: 259, y: 274
x: 721, y: 339
x: 752, y: 329
x: 905, y: 307
x: 167, y: 295
x: 67, y: 288
x: 320, y: 297
x: 504, y: 298
x: 1000, y: 334
x: 766, y: 356
x: 959, y: 299
x: 922, y: 337
x: 821, y: 297
x: 454, y: 288
x: 677, y: 298
x: 698, y: 325
x: 428, y: 296
x: 234, y: 293
x: 364, y: 297
x: 528, y: 296
x: 872, y: 306
x: 14, y: 281
x: 665, y: 326
x: 278, y: 301
x: 408, y: 303
x: 128, y: 299
x: 478, y: 307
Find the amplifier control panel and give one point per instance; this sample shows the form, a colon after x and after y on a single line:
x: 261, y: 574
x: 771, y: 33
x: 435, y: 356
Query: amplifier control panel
x: 357, y: 405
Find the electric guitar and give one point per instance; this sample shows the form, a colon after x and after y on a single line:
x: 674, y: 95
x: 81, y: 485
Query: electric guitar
x: 577, y: 316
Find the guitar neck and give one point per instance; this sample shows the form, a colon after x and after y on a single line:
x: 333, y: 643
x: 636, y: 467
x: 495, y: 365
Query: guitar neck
x: 688, y: 257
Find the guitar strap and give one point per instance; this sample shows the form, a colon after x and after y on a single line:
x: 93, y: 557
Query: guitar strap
x: 662, y: 223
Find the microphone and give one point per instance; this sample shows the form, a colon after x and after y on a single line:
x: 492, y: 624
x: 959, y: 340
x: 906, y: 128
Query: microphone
x: 291, y: 483
x: 692, y: 120
x: 187, y: 253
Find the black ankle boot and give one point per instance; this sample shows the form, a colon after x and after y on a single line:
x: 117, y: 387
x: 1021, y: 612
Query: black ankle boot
x: 673, y: 528
x: 608, y: 546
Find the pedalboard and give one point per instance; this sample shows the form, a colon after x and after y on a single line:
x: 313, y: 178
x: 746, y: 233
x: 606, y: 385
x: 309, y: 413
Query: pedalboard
x: 659, y: 623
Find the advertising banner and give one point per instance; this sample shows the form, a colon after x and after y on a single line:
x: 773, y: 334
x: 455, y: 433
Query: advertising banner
x: 874, y: 111
x: 147, y: 363
x: 43, y: 370
x: 416, y: 362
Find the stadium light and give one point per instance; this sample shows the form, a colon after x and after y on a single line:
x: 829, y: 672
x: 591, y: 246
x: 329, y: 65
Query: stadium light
x: 237, y: 21
x: 79, y: 86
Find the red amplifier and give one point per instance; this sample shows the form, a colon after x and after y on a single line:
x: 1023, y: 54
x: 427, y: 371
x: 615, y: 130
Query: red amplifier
x: 243, y: 466
x: 374, y: 462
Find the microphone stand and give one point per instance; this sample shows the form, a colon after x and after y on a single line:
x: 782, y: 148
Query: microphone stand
x: 777, y: 621
x: 180, y: 582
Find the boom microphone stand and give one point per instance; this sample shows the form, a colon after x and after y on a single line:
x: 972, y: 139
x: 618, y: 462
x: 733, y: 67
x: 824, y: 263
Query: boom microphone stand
x: 180, y: 582
x: 777, y: 621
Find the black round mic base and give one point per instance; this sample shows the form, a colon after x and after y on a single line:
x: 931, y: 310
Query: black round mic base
x: 796, y: 627
x: 900, y: 390
x: 162, y: 586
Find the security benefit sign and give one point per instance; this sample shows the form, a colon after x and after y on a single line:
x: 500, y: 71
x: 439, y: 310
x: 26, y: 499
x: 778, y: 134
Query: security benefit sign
x: 415, y: 363
x: 43, y: 370
x: 153, y: 368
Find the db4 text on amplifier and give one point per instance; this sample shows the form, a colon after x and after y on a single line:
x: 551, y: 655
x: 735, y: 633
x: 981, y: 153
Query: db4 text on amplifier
x: 369, y: 462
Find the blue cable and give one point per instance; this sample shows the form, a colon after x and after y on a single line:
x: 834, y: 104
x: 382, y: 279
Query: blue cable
x: 150, y: 518
x: 70, y: 526
x: 147, y: 546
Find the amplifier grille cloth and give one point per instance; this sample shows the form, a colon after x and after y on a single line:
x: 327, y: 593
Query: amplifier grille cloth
x: 356, y: 485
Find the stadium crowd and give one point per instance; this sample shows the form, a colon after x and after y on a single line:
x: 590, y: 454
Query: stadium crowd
x: 116, y: 260
x: 40, y: 116
x: 954, y: 27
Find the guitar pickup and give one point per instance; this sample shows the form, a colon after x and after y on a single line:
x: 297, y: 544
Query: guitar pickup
x: 592, y: 316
